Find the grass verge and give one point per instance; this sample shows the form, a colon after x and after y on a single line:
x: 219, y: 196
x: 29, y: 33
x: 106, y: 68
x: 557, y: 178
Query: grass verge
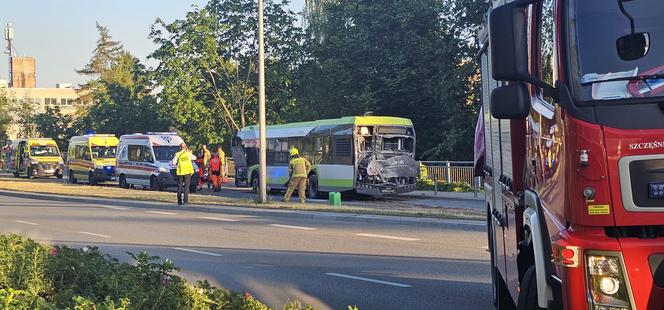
x: 78, y: 190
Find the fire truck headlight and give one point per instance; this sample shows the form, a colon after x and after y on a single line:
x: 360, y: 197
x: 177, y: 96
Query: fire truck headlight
x: 607, y: 285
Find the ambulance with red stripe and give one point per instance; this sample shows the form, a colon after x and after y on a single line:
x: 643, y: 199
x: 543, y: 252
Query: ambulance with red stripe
x: 145, y: 160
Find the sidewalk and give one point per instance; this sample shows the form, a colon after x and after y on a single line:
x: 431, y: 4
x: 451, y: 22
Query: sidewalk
x: 445, y: 195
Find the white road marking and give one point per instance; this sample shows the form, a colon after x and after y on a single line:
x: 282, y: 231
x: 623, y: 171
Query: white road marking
x: 93, y: 234
x: 198, y: 252
x: 115, y: 208
x: 161, y: 212
x: 26, y: 222
x: 293, y: 227
x: 387, y: 237
x: 223, y: 219
x: 367, y: 279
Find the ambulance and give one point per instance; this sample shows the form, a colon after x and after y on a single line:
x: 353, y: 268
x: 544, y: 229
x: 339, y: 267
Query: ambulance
x: 145, y: 160
x: 36, y: 157
x: 91, y: 158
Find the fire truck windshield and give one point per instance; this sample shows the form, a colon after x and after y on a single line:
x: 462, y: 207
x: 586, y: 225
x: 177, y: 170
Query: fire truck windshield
x: 600, y: 70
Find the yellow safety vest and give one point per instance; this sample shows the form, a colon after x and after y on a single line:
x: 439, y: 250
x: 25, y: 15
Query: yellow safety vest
x: 299, y: 167
x: 184, y: 163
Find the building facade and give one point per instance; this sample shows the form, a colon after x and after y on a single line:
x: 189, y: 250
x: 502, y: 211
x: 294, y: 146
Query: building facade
x: 64, y: 96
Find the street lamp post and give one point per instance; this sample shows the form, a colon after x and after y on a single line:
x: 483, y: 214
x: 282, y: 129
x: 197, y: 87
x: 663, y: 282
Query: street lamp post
x: 261, y: 108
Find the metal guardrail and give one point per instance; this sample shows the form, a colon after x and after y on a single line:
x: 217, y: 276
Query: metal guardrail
x: 450, y: 171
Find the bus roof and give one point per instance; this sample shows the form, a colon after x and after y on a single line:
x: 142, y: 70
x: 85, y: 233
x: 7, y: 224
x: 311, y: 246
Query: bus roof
x: 303, y: 128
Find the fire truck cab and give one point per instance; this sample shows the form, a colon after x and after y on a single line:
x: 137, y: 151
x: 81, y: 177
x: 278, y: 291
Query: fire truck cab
x: 573, y: 134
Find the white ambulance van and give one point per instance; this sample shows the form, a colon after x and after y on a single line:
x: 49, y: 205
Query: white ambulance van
x: 145, y: 160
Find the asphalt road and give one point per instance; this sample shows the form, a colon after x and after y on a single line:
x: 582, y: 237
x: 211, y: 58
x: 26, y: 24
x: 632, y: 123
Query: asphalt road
x: 397, y: 201
x: 326, y: 262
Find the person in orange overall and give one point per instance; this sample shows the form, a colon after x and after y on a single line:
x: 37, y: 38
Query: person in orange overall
x: 215, y: 172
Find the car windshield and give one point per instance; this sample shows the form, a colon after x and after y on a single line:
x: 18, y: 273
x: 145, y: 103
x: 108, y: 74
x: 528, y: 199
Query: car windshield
x: 596, y: 27
x: 103, y: 151
x: 48, y: 150
x: 165, y: 153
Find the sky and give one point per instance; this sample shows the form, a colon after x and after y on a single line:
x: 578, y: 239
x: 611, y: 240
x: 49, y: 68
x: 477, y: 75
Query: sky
x: 61, y: 34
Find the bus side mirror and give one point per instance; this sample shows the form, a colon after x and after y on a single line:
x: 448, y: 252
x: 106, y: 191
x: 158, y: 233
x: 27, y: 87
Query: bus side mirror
x: 508, y: 42
x: 510, y: 101
x: 633, y: 46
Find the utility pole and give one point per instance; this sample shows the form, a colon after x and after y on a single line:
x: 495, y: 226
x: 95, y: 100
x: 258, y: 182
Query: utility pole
x: 261, y: 109
x: 9, y: 36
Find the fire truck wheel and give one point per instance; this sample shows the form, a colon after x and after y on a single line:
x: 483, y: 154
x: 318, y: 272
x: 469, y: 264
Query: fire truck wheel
x: 528, y: 291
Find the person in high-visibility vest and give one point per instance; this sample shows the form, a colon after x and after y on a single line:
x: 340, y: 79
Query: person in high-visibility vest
x: 215, y: 172
x: 182, y: 160
x: 222, y: 158
x: 298, y: 171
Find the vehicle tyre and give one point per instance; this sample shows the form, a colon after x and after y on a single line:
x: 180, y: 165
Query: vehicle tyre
x: 30, y: 176
x: 123, y: 182
x: 255, y: 183
x: 60, y: 175
x: 16, y: 175
x: 154, y: 185
x: 71, y: 178
x: 91, y: 178
x: 528, y: 291
x: 312, y: 187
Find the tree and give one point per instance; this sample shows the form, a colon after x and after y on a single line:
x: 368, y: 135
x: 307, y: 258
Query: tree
x: 400, y: 58
x: 208, y: 67
x: 5, y: 118
x: 24, y: 117
x: 123, y: 100
x: 53, y: 124
x: 104, y: 55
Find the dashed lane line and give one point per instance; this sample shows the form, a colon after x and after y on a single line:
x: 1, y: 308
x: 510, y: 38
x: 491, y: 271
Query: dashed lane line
x: 198, y: 252
x: 161, y: 212
x: 340, y: 275
x: 26, y: 222
x: 93, y: 234
x: 115, y: 207
x: 293, y: 227
x: 222, y: 219
x: 387, y: 237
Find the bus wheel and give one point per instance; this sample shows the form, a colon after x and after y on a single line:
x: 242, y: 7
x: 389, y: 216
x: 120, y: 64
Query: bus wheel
x: 71, y: 177
x: 91, y: 178
x: 255, y: 184
x: 123, y: 182
x: 528, y: 291
x: 312, y: 187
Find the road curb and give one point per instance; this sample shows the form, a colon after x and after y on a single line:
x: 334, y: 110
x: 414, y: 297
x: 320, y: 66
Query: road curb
x: 243, y: 210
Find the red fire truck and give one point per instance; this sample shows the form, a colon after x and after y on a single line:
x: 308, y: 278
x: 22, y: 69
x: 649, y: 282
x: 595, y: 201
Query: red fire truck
x: 573, y: 139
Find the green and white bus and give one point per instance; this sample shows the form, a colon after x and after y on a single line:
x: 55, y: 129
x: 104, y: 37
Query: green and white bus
x: 371, y: 155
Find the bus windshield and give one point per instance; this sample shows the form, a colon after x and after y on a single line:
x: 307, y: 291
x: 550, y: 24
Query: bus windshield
x: 47, y: 150
x: 165, y: 153
x: 600, y: 73
x: 103, y: 151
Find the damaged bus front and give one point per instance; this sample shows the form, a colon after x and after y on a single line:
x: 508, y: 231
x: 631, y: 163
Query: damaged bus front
x: 371, y: 155
x: 385, y: 159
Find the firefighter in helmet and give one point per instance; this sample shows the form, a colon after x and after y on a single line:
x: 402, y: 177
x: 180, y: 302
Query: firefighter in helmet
x: 298, y: 170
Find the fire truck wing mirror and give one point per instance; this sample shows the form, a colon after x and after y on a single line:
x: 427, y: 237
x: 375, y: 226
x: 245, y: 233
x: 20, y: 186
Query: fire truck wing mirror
x: 508, y: 42
x: 510, y: 102
x: 633, y: 46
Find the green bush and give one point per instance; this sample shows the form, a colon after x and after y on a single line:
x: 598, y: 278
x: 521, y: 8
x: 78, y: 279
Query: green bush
x: 34, y: 276
x: 427, y: 185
